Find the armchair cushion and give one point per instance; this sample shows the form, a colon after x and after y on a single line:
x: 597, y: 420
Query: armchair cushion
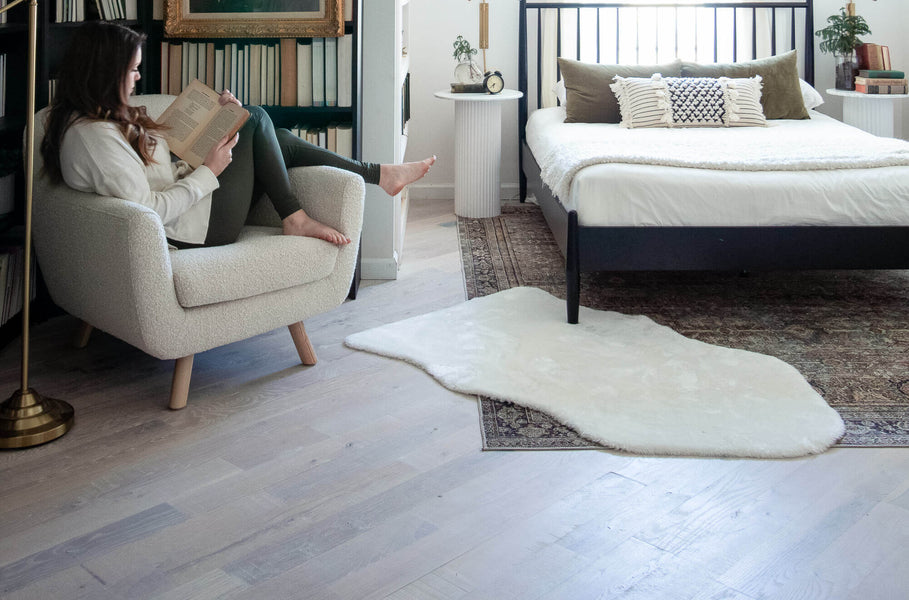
x: 220, y: 274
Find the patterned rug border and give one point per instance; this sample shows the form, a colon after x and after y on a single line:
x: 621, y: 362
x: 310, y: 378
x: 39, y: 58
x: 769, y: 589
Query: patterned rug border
x: 494, y: 266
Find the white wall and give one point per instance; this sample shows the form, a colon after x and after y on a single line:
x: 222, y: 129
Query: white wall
x: 436, y: 23
x: 888, y: 21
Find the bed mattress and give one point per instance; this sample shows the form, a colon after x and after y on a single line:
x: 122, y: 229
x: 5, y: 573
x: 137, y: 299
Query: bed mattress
x: 625, y: 194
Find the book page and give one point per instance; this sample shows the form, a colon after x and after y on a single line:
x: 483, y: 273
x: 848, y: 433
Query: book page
x: 226, y: 121
x: 196, y: 121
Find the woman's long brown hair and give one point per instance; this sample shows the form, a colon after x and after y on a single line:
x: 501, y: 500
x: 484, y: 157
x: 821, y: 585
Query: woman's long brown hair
x: 90, y: 86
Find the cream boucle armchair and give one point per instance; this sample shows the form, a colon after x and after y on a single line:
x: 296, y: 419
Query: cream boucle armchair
x: 106, y: 261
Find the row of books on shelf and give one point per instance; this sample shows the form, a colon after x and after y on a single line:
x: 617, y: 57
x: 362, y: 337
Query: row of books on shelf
x: 68, y: 11
x: 880, y: 81
x: 12, y: 267
x: 286, y: 72
x: 337, y: 137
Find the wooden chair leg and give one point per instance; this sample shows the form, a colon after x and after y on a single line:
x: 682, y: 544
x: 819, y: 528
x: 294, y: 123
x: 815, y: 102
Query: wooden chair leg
x: 179, y: 389
x: 301, y: 341
x: 80, y: 339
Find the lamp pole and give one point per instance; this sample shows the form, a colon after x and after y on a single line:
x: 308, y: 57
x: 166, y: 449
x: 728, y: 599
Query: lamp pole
x: 27, y: 418
x: 484, y: 30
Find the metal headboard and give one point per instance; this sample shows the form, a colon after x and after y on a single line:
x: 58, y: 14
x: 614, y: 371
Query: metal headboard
x: 795, y: 11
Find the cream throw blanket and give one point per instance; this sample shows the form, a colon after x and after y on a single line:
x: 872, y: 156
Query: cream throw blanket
x: 816, y: 144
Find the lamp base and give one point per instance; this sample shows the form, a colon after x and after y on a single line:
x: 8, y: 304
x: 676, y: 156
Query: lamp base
x: 28, y: 419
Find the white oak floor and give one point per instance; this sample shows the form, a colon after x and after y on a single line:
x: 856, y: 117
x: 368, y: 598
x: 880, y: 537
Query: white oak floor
x: 361, y: 477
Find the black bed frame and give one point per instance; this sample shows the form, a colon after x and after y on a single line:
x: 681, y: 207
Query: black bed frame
x: 589, y: 249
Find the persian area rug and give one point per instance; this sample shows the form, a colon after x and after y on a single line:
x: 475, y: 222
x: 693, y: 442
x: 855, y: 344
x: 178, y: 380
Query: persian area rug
x: 623, y: 381
x: 846, y: 332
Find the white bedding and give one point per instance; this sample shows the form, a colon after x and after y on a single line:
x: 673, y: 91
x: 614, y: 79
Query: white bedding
x: 635, y: 194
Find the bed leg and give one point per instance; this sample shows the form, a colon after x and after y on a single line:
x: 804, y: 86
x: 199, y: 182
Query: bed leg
x: 573, y: 269
x: 522, y: 183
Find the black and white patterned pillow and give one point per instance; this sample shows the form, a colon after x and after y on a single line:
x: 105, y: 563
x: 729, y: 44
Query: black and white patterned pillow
x: 697, y: 101
x: 689, y: 101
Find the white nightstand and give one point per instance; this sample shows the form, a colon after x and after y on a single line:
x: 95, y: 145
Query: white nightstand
x: 478, y: 151
x: 879, y: 114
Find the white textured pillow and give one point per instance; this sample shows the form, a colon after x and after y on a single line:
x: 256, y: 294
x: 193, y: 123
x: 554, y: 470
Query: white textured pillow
x: 562, y: 94
x: 810, y: 96
x: 689, y: 101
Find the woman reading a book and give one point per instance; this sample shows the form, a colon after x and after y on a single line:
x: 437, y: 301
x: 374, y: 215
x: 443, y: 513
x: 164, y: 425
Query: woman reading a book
x: 96, y: 142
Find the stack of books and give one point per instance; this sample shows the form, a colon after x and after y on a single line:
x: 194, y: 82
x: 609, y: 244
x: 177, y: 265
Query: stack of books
x: 876, y: 76
x: 880, y: 81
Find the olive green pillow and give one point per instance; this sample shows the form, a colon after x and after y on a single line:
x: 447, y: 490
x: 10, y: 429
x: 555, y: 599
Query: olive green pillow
x: 781, y: 95
x: 588, y: 96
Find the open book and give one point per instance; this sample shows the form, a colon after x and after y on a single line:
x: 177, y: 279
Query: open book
x: 196, y: 121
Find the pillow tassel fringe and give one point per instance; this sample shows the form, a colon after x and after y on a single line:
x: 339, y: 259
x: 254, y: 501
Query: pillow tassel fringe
x: 664, y: 102
x: 730, y: 98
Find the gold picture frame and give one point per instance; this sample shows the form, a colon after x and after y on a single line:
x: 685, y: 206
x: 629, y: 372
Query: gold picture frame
x: 253, y: 18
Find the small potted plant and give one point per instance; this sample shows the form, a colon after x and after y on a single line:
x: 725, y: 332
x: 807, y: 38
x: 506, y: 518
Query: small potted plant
x: 467, y: 71
x: 841, y: 37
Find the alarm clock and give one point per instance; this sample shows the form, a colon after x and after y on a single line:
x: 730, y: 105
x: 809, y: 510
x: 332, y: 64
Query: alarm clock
x: 493, y: 82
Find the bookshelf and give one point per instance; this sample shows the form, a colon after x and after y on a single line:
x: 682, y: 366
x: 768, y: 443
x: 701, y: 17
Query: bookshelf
x: 386, y: 68
x: 51, y: 36
x: 54, y: 34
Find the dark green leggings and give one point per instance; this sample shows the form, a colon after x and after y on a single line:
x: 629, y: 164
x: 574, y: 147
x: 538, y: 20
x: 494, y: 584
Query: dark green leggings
x: 260, y: 162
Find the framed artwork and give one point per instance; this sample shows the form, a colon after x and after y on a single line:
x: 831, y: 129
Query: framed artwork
x: 254, y: 18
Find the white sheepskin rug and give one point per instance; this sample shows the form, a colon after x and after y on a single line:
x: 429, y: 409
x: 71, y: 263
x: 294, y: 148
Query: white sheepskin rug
x: 623, y: 381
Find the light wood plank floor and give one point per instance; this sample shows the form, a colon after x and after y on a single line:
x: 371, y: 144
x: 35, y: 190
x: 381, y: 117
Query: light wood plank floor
x: 361, y: 477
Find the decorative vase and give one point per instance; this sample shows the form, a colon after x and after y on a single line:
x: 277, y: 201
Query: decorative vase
x: 846, y: 70
x: 467, y: 71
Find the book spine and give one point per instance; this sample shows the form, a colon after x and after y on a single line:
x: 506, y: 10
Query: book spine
x: 270, y: 87
x: 233, y: 67
x: 175, y: 65
x: 210, y: 64
x: 304, y: 73
x: 345, y: 71
x: 879, y: 81
x: 318, y: 72
x: 331, y: 71
x: 219, y: 70
x: 882, y: 74
x: 870, y: 57
x: 880, y: 89
x: 165, y: 69
x: 263, y: 73
x: 255, y: 74
x: 188, y: 53
x: 288, y: 72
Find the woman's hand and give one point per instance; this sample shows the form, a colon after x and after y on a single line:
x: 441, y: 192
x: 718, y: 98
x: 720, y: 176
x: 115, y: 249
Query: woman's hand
x: 221, y: 154
x: 227, y: 97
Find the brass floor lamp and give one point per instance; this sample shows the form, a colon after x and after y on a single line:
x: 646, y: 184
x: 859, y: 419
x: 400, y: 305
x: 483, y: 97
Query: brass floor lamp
x: 26, y: 418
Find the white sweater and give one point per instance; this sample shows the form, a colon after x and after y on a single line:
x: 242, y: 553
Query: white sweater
x: 95, y: 157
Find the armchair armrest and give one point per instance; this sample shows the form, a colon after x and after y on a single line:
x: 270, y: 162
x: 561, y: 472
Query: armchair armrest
x: 330, y: 195
x: 105, y: 260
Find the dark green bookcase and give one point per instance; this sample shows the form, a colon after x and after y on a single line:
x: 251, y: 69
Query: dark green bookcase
x: 52, y: 41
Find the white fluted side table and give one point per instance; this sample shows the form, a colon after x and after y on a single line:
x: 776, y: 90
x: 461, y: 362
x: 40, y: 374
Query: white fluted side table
x: 478, y: 151
x: 879, y: 114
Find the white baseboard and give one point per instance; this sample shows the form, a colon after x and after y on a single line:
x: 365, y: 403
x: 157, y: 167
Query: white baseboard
x: 509, y: 191
x: 378, y: 268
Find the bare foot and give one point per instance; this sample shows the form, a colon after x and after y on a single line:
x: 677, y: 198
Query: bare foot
x: 393, y: 178
x: 299, y: 223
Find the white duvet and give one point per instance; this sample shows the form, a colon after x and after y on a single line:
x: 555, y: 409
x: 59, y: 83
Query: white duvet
x: 807, y: 172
